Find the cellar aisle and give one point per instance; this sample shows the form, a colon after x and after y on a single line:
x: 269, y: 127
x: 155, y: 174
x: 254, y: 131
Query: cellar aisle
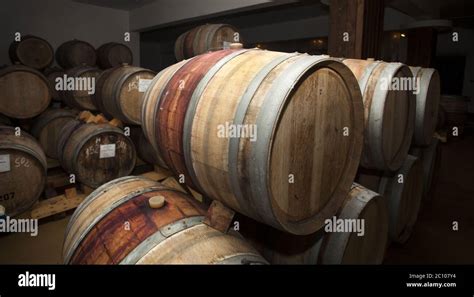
x: 433, y: 240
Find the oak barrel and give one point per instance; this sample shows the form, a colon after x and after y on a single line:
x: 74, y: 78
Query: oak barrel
x: 95, y: 153
x: 32, y: 51
x: 427, y: 104
x: 113, y: 54
x: 430, y: 159
x: 22, y: 171
x: 389, y: 113
x: 300, y: 122
x: 342, y: 247
x: 171, y: 234
x: 80, y: 96
x: 25, y: 92
x: 456, y: 111
x: 52, y: 74
x: 205, y: 38
x: 403, y: 191
x: 47, y: 128
x: 145, y: 150
x: 120, y: 92
x: 75, y: 53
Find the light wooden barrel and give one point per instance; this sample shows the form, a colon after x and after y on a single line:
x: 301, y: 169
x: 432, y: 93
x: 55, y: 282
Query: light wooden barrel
x: 336, y: 247
x: 403, y: 191
x: 172, y: 234
x: 25, y: 92
x: 430, y: 158
x: 52, y: 74
x: 75, y: 53
x: 121, y: 90
x: 81, y: 99
x: 389, y: 114
x: 205, y: 38
x: 145, y: 150
x: 95, y: 153
x: 427, y: 104
x: 47, y: 128
x: 32, y: 51
x: 22, y: 171
x: 297, y: 170
x: 113, y: 54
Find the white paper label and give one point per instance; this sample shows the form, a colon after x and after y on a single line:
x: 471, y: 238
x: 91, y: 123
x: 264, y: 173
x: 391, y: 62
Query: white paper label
x: 4, y: 163
x: 226, y: 44
x: 143, y: 85
x: 107, y: 151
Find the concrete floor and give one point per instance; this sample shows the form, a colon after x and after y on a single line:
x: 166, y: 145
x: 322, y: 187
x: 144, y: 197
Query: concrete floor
x: 433, y: 240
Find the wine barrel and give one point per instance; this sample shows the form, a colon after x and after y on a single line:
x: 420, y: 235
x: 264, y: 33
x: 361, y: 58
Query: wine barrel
x: 84, y: 89
x: 171, y: 233
x: 95, y: 153
x: 32, y: 51
x: 340, y: 247
x: 75, y: 53
x: 403, y: 191
x: 427, y: 104
x: 113, y: 54
x: 389, y: 113
x: 22, y: 171
x: 296, y: 166
x: 25, y: 92
x: 120, y: 92
x: 430, y: 159
x: 52, y: 74
x: 47, y: 127
x: 145, y: 150
x: 205, y: 38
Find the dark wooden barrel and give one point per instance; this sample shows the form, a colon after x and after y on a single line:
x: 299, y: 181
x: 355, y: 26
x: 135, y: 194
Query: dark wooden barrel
x: 95, y: 153
x: 329, y: 247
x: 52, y: 74
x: 81, y: 99
x: 297, y: 169
x: 427, y: 104
x: 47, y: 128
x: 4, y: 120
x: 22, y: 171
x: 456, y: 111
x: 145, y: 150
x: 205, y: 38
x: 403, y: 191
x: 113, y: 54
x: 389, y: 113
x: 25, y: 92
x: 430, y: 157
x: 32, y: 51
x: 120, y: 92
x: 75, y: 53
x: 165, y: 233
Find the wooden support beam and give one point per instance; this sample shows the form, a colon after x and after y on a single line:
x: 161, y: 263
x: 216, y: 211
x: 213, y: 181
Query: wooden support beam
x: 356, y: 28
x: 219, y: 216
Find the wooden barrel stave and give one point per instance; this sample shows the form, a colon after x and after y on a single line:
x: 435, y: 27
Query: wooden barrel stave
x: 25, y: 92
x: 22, y: 171
x: 81, y: 99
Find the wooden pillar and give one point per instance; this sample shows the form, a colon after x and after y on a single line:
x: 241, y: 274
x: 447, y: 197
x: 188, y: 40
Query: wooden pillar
x: 421, y: 46
x: 356, y: 28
